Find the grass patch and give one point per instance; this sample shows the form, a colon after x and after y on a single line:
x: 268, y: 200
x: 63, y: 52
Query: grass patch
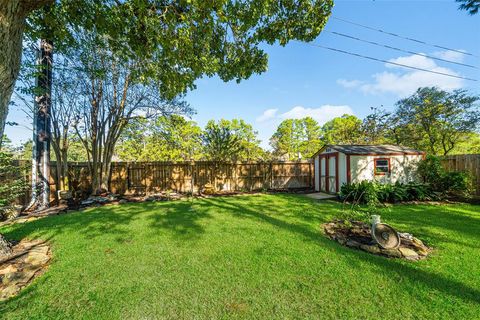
x: 256, y: 256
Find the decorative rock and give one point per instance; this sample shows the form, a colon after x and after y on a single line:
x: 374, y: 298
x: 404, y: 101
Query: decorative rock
x: 87, y: 202
x: 357, y: 234
x: 394, y: 253
x: 405, y: 235
x: 352, y: 244
x: 28, y: 260
x: 370, y: 248
x: 122, y: 201
x: 408, y: 253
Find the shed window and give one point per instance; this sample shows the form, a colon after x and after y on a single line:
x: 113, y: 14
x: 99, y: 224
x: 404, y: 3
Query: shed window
x: 382, y: 166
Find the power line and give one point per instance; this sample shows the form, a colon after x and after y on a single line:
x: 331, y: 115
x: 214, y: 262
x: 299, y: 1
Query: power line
x: 402, y: 50
x: 388, y: 62
x: 403, y: 37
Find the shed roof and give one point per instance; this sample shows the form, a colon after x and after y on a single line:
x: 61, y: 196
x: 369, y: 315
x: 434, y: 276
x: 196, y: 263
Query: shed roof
x: 377, y: 149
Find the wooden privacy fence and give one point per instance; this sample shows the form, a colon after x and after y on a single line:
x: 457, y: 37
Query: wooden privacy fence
x: 465, y: 162
x: 151, y: 177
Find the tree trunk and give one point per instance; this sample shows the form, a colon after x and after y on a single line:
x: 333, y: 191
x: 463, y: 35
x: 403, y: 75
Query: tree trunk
x: 42, y: 125
x: 5, y: 247
x: 12, y: 23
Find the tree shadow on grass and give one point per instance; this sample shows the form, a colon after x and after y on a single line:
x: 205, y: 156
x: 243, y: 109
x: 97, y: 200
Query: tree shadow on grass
x: 398, y: 267
x: 440, y: 217
x: 89, y: 223
x: 180, y: 218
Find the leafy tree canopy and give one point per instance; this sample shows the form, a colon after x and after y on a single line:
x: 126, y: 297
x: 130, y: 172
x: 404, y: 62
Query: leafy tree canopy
x: 343, y: 130
x: 435, y: 120
x: 296, y: 137
x: 233, y: 140
x: 472, y: 6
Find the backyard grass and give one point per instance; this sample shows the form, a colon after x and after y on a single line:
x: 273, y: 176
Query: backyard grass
x: 253, y: 257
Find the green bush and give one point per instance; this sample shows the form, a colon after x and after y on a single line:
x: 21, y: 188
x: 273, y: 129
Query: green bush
x: 446, y: 183
x: 371, y: 192
x: 12, y: 184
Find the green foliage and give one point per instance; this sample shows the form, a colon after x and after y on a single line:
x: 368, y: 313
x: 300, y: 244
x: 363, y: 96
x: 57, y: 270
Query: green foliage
x: 346, y: 129
x: 435, y: 120
x: 472, y: 6
x: 174, y: 138
x: 180, y: 41
x: 13, y: 184
x: 230, y: 141
x: 447, y: 183
x: 375, y: 128
x: 372, y: 193
x: 165, y: 138
x: 295, y: 137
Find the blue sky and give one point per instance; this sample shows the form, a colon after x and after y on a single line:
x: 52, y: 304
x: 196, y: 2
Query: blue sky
x: 303, y: 80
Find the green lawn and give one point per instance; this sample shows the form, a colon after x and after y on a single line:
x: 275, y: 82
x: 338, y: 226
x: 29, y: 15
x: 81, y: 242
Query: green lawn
x: 257, y: 256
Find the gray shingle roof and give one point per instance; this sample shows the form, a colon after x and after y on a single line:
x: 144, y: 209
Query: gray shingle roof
x: 372, y: 149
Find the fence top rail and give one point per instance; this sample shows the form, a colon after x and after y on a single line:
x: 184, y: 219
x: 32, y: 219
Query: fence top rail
x: 205, y: 162
x: 452, y: 156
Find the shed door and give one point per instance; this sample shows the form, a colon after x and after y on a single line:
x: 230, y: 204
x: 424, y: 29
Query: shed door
x: 332, y: 174
x: 323, y: 174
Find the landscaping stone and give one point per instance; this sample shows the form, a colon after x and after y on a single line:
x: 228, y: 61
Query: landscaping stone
x: 370, y: 248
x: 395, y: 253
x: 28, y: 260
x: 408, y: 253
x: 357, y: 235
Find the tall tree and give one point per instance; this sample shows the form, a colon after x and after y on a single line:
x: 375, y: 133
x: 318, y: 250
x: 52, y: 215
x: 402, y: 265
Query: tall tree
x: 435, y: 120
x: 165, y: 138
x: 114, y: 95
x: 296, y: 138
x: 42, y: 128
x: 183, y: 39
x: 343, y: 130
x: 13, y: 14
x: 229, y: 140
x: 376, y: 127
x: 66, y: 96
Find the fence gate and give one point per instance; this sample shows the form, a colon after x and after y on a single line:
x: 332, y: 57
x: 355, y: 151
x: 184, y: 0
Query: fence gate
x: 136, y: 179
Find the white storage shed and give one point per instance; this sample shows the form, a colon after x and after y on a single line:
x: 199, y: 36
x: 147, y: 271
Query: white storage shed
x: 336, y: 165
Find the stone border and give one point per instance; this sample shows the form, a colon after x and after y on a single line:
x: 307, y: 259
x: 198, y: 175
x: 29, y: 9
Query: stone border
x: 29, y: 260
x: 357, y: 235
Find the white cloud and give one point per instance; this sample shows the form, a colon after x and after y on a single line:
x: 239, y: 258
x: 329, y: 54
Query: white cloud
x: 404, y: 81
x: 450, y: 55
x: 322, y: 114
x: 349, y: 83
x: 267, y: 115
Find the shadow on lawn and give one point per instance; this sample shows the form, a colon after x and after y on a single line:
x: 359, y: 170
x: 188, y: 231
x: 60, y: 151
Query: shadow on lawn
x: 439, y: 217
x: 400, y: 268
x: 90, y: 223
x: 182, y: 219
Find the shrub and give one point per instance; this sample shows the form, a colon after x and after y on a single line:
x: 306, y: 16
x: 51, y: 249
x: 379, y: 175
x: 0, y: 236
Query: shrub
x: 363, y: 192
x: 371, y: 192
x: 442, y: 181
x: 12, y: 184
